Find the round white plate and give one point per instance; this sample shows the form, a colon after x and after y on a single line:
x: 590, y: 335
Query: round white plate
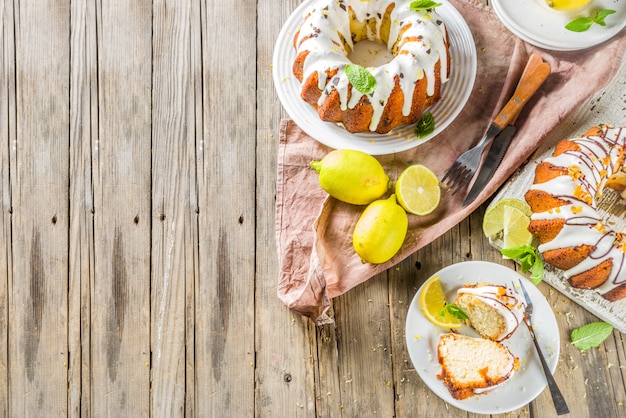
x: 454, y: 93
x: 422, y: 338
x: 538, y: 24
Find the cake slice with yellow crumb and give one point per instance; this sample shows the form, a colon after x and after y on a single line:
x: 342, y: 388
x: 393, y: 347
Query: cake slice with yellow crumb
x: 470, y: 366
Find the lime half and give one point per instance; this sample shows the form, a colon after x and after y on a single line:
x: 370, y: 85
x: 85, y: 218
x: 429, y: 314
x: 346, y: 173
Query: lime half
x: 516, y: 228
x: 493, y: 222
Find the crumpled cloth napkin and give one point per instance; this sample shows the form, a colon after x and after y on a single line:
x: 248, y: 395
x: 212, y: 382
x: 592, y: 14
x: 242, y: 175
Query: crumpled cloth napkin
x: 314, y: 232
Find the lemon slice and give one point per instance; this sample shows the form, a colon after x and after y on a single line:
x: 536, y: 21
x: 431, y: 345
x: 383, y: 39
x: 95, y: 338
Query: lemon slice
x: 566, y: 4
x: 432, y: 301
x: 516, y: 228
x: 417, y: 190
x: 493, y: 222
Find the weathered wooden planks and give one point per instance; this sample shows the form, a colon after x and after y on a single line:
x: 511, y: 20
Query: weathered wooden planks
x: 39, y: 177
x: 121, y: 175
x: 174, y: 206
x: 137, y: 260
x: 224, y: 313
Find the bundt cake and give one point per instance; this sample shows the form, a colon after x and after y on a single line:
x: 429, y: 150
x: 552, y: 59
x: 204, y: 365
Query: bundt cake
x: 571, y: 232
x: 494, y: 311
x: 473, y: 365
x: 404, y: 87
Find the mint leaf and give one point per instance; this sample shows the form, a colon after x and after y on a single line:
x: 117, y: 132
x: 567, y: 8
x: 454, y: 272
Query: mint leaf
x: 425, y: 126
x: 361, y: 79
x: 529, y: 260
x: 591, y: 335
x: 423, y: 5
x: 579, y: 25
x: 601, y: 15
x: 584, y: 23
x: 453, y: 310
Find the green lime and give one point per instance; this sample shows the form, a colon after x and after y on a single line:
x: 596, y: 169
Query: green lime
x: 493, y: 222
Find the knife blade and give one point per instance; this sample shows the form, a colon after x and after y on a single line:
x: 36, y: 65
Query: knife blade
x: 535, y: 73
x: 494, y: 157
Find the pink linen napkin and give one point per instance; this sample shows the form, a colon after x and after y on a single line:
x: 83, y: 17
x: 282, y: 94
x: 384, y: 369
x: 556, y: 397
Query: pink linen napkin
x: 314, y: 232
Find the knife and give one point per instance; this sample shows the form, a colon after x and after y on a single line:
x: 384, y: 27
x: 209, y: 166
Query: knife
x: 533, y: 76
x: 492, y: 161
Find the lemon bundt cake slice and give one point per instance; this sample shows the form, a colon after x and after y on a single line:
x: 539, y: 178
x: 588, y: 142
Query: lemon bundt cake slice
x: 473, y: 365
x: 494, y: 311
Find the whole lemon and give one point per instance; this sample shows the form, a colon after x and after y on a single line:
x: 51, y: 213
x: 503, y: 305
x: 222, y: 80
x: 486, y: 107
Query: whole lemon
x: 352, y: 176
x: 380, y: 231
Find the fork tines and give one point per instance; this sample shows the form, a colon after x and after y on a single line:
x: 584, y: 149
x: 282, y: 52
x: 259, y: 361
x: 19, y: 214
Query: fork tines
x: 457, y: 176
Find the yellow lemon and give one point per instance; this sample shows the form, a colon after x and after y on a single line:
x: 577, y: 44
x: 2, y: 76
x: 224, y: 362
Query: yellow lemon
x: 352, y: 176
x: 418, y: 190
x: 564, y: 5
x: 432, y: 300
x: 380, y: 231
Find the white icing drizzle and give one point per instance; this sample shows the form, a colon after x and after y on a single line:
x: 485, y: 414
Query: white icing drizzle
x: 600, y: 156
x: 507, y: 305
x: 420, y: 46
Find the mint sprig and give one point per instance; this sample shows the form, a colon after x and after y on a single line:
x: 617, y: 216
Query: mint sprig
x: 423, y: 5
x: 453, y: 310
x: 584, y: 23
x: 425, y: 126
x: 529, y: 259
x: 591, y: 335
x: 361, y: 79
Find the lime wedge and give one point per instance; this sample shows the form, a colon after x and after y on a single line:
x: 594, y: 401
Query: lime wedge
x: 493, y: 222
x: 516, y: 228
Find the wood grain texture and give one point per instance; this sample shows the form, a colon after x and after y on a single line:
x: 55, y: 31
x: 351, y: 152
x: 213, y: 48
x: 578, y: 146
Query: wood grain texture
x: 7, y: 137
x: 226, y: 220
x: 120, y: 304
x: 38, y: 321
x: 174, y: 218
x: 138, y: 267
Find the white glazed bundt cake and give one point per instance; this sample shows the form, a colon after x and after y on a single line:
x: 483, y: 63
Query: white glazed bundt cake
x: 494, y: 311
x: 571, y: 232
x: 404, y: 87
x: 473, y: 365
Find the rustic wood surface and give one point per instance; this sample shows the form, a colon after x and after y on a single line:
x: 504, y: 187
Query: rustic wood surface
x: 137, y: 256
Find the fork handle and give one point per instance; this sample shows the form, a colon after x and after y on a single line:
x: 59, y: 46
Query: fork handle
x: 532, y: 78
x: 559, y: 401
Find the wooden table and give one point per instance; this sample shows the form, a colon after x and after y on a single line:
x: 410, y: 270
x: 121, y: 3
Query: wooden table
x: 138, y: 261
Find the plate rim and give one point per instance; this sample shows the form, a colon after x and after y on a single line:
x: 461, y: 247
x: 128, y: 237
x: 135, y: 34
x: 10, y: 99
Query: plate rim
x: 477, y: 404
x: 539, y: 40
x: 372, y: 143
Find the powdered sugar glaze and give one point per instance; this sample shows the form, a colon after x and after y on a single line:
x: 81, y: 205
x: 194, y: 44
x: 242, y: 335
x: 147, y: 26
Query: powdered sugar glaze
x: 599, y: 157
x: 416, y: 38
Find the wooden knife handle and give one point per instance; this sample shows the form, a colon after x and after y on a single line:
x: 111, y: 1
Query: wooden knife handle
x: 535, y: 73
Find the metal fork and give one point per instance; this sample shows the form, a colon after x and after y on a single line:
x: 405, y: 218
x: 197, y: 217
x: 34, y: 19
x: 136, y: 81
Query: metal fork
x: 559, y: 402
x: 463, y: 169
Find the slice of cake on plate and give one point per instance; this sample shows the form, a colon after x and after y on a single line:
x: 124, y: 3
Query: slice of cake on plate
x: 470, y: 366
x: 494, y: 311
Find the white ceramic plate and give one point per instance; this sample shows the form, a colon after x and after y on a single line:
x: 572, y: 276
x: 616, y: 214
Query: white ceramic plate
x: 454, y: 93
x: 536, y: 23
x: 422, y: 338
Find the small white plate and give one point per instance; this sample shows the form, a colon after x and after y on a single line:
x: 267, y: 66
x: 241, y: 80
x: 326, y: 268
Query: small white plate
x: 538, y: 24
x: 454, y: 93
x: 422, y: 338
